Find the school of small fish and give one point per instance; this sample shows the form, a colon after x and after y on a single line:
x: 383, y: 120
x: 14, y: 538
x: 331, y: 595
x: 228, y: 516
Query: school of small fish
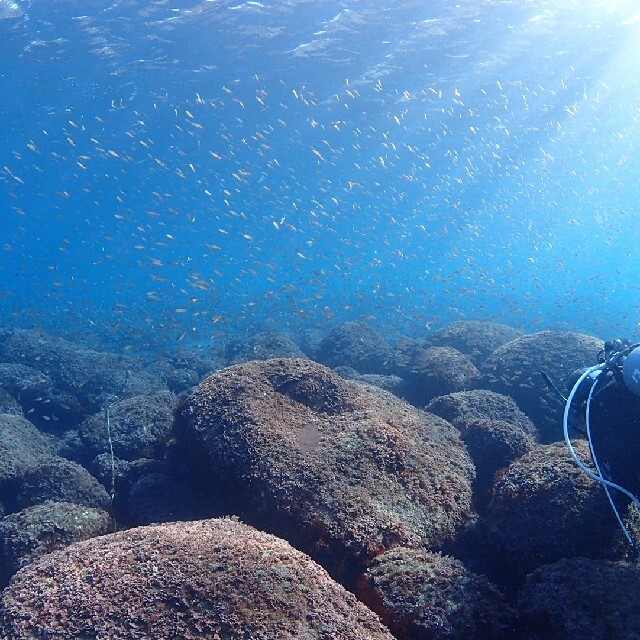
x: 182, y: 171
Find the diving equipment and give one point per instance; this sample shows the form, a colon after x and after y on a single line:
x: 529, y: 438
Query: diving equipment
x: 619, y: 364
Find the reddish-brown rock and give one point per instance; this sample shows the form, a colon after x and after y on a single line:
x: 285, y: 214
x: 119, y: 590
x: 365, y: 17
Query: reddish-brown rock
x: 428, y: 596
x: 203, y: 580
x: 342, y: 470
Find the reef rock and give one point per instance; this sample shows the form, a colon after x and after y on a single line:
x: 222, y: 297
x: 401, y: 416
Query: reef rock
x: 194, y: 581
x: 516, y: 369
x: 140, y: 427
x: 423, y: 596
x: 356, y: 345
x: 47, y: 406
x: 393, y: 384
x: 545, y: 508
x: 19, y: 379
x: 22, y: 447
x: 493, y: 445
x: 582, y: 598
x: 8, y: 404
x: 181, y: 379
x: 200, y: 364
x: 342, y: 470
x: 35, y: 531
x: 309, y: 340
x: 263, y: 346
x: 403, y: 353
x: 160, y: 497
x: 466, y: 407
x: 437, y: 371
x: 475, y: 338
x: 55, y: 479
x: 89, y: 378
x: 494, y: 429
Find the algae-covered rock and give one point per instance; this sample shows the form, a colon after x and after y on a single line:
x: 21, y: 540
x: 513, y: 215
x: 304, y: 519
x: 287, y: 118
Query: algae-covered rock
x: 342, y: 470
x: 201, y: 580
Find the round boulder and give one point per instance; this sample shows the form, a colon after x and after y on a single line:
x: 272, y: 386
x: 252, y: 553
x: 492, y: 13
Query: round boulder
x: 38, y: 530
x: 475, y: 338
x: 263, y: 346
x: 92, y: 377
x: 17, y: 379
x: 22, y: 447
x: 8, y: 404
x: 200, y: 364
x: 159, y: 497
x: 517, y: 367
x: 403, y: 352
x: 357, y: 345
x: 493, y: 445
x: 466, y: 407
x: 582, y: 598
x: 393, y: 384
x: 437, y: 371
x: 422, y: 595
x: 342, y: 470
x: 55, y: 479
x: 545, y: 508
x: 181, y: 379
x: 139, y: 427
x: 197, y: 580
x: 48, y: 407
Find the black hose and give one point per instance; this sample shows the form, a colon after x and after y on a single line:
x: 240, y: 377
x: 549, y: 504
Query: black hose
x: 549, y: 381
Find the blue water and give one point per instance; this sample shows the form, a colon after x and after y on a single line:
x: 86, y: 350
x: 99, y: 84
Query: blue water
x: 177, y: 172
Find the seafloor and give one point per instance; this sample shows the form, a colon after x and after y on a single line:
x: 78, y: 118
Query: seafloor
x: 326, y: 486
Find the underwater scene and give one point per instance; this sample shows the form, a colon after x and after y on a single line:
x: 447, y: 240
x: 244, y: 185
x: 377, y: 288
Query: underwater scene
x: 318, y: 320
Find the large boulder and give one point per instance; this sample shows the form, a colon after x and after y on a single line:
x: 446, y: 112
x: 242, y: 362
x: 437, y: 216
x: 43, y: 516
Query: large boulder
x: 493, y: 445
x: 160, y: 497
x: 55, y: 479
x: 47, y: 406
x: 516, y: 369
x: 38, y: 530
x: 356, y: 345
x: 148, y: 491
x: 197, y: 580
x: 545, y: 508
x: 477, y: 339
x: 342, y: 470
x: 464, y: 408
x: 18, y: 379
x: 263, y: 346
x: 582, y: 598
x: 393, y: 384
x: 22, y: 447
x: 424, y: 595
x: 494, y: 429
x: 139, y: 427
x: 9, y: 404
x: 87, y: 377
x: 437, y: 371
x: 403, y: 352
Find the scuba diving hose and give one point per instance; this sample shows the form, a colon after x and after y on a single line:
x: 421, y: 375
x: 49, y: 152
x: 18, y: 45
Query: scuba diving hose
x: 597, y: 475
